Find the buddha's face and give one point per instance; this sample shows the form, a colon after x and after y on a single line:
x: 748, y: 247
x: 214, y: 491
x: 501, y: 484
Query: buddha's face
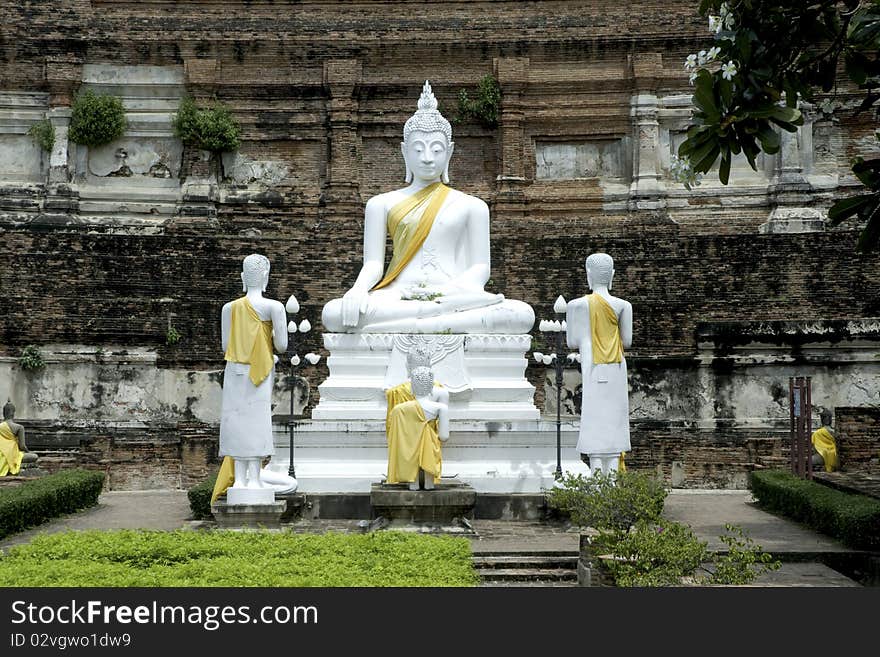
x: 427, y: 154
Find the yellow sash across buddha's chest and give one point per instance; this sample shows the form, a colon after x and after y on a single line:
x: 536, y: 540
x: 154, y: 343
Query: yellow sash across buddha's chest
x: 605, y: 332
x: 409, y: 224
x: 250, y: 340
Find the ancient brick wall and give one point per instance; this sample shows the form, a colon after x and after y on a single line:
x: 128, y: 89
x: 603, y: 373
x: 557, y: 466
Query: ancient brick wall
x: 325, y: 88
x: 858, y: 438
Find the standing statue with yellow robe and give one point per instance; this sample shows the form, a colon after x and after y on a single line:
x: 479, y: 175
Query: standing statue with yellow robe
x: 250, y: 327
x: 414, y: 431
x: 600, y: 327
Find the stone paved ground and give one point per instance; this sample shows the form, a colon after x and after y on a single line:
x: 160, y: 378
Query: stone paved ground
x: 706, y: 511
x: 852, y: 482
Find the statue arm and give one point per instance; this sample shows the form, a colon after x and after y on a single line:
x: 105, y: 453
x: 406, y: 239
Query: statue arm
x: 474, y: 278
x: 626, y: 325
x: 443, y: 422
x: 22, y: 445
x: 279, y: 327
x: 574, y: 324
x: 355, y: 300
x: 225, y: 325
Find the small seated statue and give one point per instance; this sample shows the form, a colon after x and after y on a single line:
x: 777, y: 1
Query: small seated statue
x: 420, y: 356
x: 824, y: 444
x: 13, y: 448
x: 250, y: 327
x: 600, y: 326
x: 414, y: 431
x: 440, y: 251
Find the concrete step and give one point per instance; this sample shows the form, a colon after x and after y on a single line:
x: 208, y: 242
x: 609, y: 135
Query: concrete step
x: 525, y: 561
x: 520, y: 584
x: 528, y: 575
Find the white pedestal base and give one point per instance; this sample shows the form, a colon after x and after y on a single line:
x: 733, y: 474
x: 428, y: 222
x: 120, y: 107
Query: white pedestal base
x: 485, y: 375
x: 493, y: 457
x: 250, y: 496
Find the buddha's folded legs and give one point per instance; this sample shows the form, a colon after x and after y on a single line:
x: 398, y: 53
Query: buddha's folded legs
x: 507, y: 317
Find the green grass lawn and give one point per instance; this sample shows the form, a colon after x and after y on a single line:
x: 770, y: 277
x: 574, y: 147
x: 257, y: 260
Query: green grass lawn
x: 226, y: 558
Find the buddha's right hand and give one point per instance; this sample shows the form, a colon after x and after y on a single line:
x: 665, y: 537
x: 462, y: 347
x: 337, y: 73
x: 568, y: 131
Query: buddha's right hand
x: 354, y: 302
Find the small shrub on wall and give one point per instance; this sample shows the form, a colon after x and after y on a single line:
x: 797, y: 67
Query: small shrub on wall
x: 96, y: 120
x: 43, y: 132
x: 213, y: 129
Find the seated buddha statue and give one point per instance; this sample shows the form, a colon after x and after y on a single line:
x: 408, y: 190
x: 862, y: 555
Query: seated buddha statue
x: 434, y: 282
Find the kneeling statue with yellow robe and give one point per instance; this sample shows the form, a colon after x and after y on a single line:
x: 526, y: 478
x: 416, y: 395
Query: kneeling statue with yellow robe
x: 415, y: 430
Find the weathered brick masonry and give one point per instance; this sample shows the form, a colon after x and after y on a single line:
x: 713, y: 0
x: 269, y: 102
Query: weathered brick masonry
x: 326, y: 87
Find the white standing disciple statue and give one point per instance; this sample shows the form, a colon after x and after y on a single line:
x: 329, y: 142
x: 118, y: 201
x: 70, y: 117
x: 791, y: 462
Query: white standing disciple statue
x: 600, y: 327
x: 250, y: 326
x: 440, y: 254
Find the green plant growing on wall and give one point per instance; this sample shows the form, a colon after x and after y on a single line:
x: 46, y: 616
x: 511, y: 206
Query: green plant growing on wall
x: 172, y: 336
x: 96, y: 120
x: 213, y: 129
x: 30, y: 358
x: 43, y: 132
x: 484, y: 107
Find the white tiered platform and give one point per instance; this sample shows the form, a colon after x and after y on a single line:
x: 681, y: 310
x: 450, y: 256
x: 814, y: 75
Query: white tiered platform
x: 498, y: 442
x: 485, y: 375
x: 493, y: 457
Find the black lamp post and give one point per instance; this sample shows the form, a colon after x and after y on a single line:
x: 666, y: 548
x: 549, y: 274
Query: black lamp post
x: 304, y: 326
x: 555, y: 331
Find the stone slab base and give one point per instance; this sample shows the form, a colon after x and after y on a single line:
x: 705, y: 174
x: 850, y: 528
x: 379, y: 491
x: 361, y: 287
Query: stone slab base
x: 485, y: 375
x: 443, y: 504
x: 250, y: 496
x: 253, y: 516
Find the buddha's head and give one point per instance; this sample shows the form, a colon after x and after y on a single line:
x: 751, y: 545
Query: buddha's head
x: 422, y: 381
x: 255, y: 272
x: 9, y: 410
x: 825, y: 418
x: 419, y: 356
x: 427, y: 141
x: 600, y: 270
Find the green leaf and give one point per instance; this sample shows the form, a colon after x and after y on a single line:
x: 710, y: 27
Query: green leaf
x: 870, y: 236
x: 724, y: 171
x: 848, y: 207
x: 770, y: 140
x: 703, y: 165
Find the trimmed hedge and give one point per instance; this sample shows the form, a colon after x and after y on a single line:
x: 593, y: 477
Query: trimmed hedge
x: 854, y: 519
x: 200, y: 498
x: 230, y: 558
x: 35, y: 502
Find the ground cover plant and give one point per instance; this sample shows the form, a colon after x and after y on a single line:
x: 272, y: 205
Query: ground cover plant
x: 227, y: 558
x: 854, y: 519
x: 35, y: 502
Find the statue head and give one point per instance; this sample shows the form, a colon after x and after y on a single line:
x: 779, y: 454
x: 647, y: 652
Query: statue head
x: 419, y: 356
x: 825, y: 418
x: 255, y: 272
x: 422, y: 381
x: 600, y: 270
x: 8, y: 410
x: 427, y: 141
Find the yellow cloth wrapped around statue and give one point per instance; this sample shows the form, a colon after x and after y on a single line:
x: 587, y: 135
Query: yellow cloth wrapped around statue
x: 250, y: 341
x: 225, y: 478
x: 413, y: 444
x: 400, y: 393
x: 10, y: 454
x: 823, y: 442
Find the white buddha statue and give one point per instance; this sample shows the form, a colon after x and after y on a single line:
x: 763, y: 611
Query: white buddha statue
x: 440, y: 260
x: 600, y: 327
x: 251, y: 326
